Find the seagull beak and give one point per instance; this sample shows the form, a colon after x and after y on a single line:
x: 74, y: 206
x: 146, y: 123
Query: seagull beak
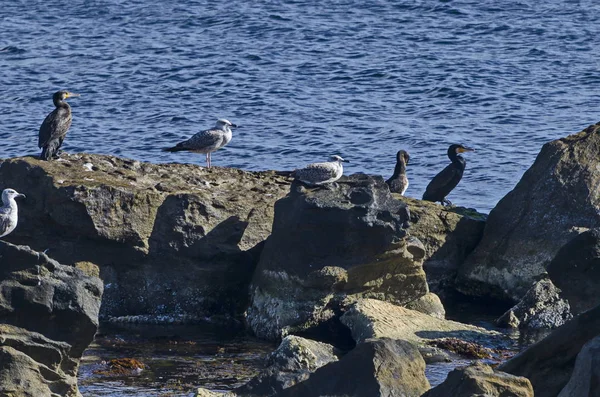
x: 21, y: 195
x: 346, y: 161
x: 234, y: 125
x: 71, y: 94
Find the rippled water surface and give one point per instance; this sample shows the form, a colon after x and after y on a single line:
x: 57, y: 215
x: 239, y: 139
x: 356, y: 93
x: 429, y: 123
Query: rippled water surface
x: 306, y: 79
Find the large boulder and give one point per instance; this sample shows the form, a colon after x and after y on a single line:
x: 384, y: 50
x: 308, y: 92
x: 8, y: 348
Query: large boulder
x: 48, y: 317
x: 576, y: 271
x: 329, y: 247
x: 585, y: 381
x: 291, y: 363
x: 555, y: 200
x: 448, y: 234
x: 481, y: 380
x: 541, y: 307
x: 377, y: 367
x: 171, y: 240
x: 371, y: 318
x: 549, y: 363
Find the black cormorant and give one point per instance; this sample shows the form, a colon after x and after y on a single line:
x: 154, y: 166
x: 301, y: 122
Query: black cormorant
x: 207, y: 141
x: 55, y: 125
x: 443, y: 183
x: 398, y: 183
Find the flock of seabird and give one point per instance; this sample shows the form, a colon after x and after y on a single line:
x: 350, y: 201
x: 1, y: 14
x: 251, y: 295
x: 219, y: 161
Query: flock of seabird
x: 55, y: 126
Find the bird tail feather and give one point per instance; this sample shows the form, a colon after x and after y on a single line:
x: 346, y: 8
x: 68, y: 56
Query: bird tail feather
x: 50, y: 150
x: 179, y: 147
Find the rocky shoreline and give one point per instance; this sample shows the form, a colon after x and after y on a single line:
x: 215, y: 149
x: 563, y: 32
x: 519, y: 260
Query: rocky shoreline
x: 367, y: 271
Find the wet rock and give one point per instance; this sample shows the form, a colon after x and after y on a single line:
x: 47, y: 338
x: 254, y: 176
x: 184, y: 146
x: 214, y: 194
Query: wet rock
x: 370, y: 318
x: 448, y: 234
x: 481, y: 380
x: 429, y: 304
x: 170, y: 240
x: 378, y: 367
x: 291, y: 363
x: 555, y: 200
x: 329, y: 247
x: 549, y: 363
x: 576, y: 271
x: 48, y: 317
x: 541, y: 307
x: 585, y: 380
x: 433, y: 355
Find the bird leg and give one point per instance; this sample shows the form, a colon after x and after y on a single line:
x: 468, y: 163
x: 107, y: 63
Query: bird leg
x: 208, y: 160
x: 446, y: 202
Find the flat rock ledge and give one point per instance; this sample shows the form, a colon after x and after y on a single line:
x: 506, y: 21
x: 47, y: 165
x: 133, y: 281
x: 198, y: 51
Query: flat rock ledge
x: 371, y: 318
x: 172, y: 241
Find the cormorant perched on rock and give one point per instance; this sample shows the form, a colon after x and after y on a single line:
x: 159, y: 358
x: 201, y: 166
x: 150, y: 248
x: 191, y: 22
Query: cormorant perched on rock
x: 55, y: 125
x: 321, y: 173
x: 9, y: 211
x: 207, y: 141
x: 398, y: 183
x: 443, y: 183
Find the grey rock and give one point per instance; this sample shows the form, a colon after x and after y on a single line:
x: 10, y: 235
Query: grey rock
x: 291, y: 363
x: 549, y: 363
x: 48, y: 317
x: 377, y: 367
x: 576, y: 271
x: 329, y: 247
x: 585, y: 380
x: 541, y: 307
x: 481, y: 380
x: 448, y: 234
x: 555, y: 199
x: 172, y: 241
x: 429, y: 304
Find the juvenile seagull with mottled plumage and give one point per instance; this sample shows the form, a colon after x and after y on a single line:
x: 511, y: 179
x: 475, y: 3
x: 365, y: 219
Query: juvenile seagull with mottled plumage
x: 321, y: 173
x: 207, y: 141
x: 9, y: 212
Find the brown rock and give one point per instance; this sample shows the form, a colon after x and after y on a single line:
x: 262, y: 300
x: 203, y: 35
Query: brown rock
x: 481, y: 380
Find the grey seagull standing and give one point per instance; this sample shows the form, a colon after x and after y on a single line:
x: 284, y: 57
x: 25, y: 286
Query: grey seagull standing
x: 321, y: 173
x: 207, y: 141
x: 9, y: 211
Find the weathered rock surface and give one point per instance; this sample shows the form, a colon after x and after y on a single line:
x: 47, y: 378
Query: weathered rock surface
x: 541, y: 307
x: 556, y: 199
x: 169, y: 239
x: 291, y: 363
x: 481, y: 380
x: 370, y: 318
x: 429, y: 304
x: 48, y: 316
x: 549, y: 363
x: 576, y: 271
x: 378, y: 367
x: 585, y: 381
x: 448, y: 234
x: 331, y: 246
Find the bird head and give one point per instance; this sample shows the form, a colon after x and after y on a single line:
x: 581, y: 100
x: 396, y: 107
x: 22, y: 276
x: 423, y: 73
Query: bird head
x: 225, y: 123
x: 457, y: 149
x: 402, y: 155
x: 8, y: 194
x: 62, y: 95
x: 337, y: 158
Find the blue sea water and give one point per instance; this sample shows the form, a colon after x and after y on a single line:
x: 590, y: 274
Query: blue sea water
x: 307, y: 79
